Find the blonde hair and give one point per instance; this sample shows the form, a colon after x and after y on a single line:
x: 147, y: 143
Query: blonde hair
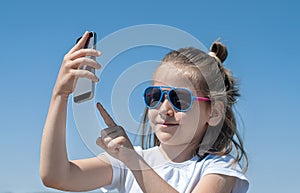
x: 208, y: 74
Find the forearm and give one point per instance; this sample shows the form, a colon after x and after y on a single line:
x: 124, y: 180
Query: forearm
x: 54, y: 161
x: 148, y: 180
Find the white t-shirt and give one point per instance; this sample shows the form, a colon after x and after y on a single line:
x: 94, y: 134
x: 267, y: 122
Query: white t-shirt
x: 182, y: 176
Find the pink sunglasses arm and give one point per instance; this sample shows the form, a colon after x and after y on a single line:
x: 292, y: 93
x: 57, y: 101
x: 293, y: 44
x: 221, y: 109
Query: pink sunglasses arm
x: 202, y: 99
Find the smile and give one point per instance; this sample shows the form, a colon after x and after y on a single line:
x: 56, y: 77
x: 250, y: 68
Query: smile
x: 167, y: 124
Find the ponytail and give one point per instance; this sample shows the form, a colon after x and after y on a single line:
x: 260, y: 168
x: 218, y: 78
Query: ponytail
x: 225, y: 142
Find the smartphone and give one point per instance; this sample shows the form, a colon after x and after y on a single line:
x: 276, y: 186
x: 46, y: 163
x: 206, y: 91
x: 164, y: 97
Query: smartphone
x: 85, y: 88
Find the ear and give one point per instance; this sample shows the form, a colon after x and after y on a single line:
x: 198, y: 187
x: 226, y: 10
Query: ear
x: 217, y: 113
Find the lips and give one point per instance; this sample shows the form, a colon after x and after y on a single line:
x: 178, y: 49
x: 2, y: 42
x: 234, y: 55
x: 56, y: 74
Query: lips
x: 168, y: 124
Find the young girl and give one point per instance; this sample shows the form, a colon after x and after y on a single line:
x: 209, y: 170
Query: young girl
x: 196, y: 147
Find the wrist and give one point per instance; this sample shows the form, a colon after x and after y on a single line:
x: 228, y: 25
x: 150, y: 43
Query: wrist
x: 61, y: 98
x: 56, y: 95
x: 136, y: 162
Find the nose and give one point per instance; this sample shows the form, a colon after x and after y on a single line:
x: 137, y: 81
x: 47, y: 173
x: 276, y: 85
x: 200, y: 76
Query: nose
x: 166, y: 107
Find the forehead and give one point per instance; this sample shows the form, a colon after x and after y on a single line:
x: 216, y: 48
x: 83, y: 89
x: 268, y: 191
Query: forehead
x: 169, y: 75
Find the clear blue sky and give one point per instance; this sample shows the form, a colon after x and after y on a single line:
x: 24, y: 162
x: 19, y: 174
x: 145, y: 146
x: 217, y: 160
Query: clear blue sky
x: 263, y: 42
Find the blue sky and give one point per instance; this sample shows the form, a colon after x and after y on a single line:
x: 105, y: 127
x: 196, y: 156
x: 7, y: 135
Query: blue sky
x: 262, y: 39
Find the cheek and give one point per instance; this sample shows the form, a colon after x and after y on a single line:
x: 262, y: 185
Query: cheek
x: 196, y: 117
x: 204, y: 112
x: 152, y: 113
x: 189, y: 122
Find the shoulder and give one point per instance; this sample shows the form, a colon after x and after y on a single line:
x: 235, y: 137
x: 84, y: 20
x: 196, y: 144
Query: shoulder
x: 220, y: 163
x: 225, y: 165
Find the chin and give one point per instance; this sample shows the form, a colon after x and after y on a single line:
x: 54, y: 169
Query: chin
x: 168, y: 139
x: 165, y: 138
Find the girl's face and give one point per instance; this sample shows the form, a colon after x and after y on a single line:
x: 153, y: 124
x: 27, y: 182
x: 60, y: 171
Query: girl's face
x: 173, y: 127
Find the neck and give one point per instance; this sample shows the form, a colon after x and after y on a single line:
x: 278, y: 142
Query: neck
x: 178, y: 153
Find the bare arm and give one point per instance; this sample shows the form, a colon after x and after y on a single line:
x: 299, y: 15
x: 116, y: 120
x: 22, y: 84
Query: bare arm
x: 215, y: 183
x: 55, y: 169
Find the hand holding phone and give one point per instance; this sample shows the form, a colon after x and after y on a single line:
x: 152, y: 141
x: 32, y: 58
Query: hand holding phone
x: 85, y: 88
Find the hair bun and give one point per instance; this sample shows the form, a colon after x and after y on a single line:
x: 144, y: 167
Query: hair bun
x: 220, y: 50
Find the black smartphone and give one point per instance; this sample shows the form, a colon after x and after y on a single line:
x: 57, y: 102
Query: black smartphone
x: 85, y: 88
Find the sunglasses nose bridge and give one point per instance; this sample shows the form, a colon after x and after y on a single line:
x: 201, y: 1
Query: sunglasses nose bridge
x: 165, y: 104
x: 165, y: 94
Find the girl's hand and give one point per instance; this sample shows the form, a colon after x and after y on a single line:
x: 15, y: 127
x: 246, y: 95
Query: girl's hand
x: 115, y: 141
x: 70, y: 72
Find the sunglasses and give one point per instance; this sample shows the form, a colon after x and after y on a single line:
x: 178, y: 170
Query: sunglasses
x: 181, y: 99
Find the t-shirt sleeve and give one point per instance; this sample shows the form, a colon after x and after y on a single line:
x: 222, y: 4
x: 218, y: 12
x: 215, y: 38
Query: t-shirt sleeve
x: 224, y: 165
x: 118, y: 172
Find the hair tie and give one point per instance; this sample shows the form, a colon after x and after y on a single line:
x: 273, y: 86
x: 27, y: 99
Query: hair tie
x: 212, y: 54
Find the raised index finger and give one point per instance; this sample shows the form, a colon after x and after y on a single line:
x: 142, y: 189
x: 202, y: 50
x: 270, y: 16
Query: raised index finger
x: 106, y: 117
